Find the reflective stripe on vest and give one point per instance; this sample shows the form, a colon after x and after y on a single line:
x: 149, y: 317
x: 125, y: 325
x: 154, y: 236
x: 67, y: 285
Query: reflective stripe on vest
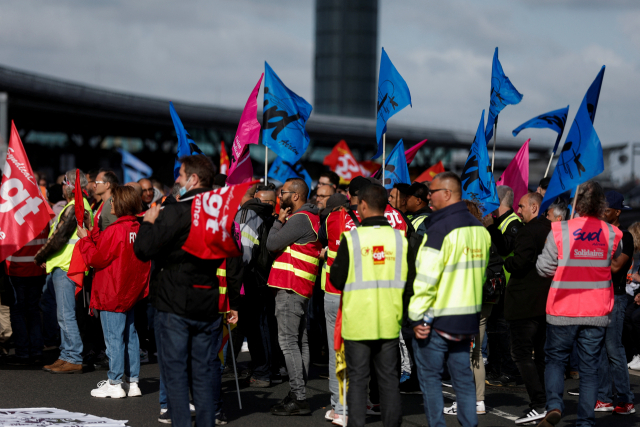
x: 372, y: 298
x: 223, y: 297
x: 503, y: 227
x: 62, y: 258
x: 417, y: 221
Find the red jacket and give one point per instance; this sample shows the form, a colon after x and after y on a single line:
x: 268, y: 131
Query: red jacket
x: 121, y: 279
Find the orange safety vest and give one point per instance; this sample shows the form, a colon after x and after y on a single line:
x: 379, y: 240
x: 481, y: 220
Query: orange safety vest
x: 223, y: 298
x: 582, y: 285
x: 297, y: 266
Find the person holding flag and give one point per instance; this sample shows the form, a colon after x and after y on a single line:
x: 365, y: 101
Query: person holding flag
x: 371, y: 270
x: 56, y: 253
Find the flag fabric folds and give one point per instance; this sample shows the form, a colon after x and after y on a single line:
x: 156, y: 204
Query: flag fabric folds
x: 24, y: 212
x: 410, y: 154
x: 79, y: 206
x: 393, y: 96
x: 282, y: 170
x: 516, y: 175
x: 396, y: 169
x: 133, y: 168
x: 477, y: 179
x: 186, y: 145
x: 503, y: 93
x: 284, y: 117
x: 430, y: 173
x: 342, y: 162
x: 581, y: 157
x: 554, y: 120
x: 224, y: 159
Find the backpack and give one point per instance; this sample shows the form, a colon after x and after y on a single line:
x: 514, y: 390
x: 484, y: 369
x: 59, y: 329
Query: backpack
x: 496, y: 280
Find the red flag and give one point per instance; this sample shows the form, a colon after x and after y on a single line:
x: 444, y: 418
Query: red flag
x: 24, y: 213
x: 411, y: 152
x: 224, y: 159
x: 430, y: 173
x: 212, y: 215
x: 79, y: 206
x: 342, y: 162
x: 368, y: 168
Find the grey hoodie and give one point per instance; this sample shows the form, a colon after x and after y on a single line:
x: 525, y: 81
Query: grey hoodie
x: 297, y: 229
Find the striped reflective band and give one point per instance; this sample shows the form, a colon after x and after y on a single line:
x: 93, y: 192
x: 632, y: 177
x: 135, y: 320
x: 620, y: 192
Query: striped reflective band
x: 586, y: 263
x: 457, y: 311
x: 20, y: 258
x: 581, y: 285
x: 464, y: 265
x: 507, y: 221
x: 357, y: 251
x: 249, y: 238
x: 300, y: 273
x: 37, y: 242
x: 374, y: 284
x: 302, y: 257
x: 426, y: 279
x: 223, y: 289
x: 331, y: 254
x: 221, y: 272
x: 72, y: 241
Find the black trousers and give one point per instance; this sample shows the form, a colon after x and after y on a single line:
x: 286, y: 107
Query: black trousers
x: 384, y: 354
x: 500, y: 360
x: 528, y: 337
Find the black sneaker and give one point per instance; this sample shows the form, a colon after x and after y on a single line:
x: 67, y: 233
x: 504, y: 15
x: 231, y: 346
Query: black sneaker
x: 503, y: 380
x: 164, y: 417
x: 410, y: 387
x: 292, y: 407
x: 221, y: 419
x: 532, y: 416
x: 276, y: 379
x: 574, y: 392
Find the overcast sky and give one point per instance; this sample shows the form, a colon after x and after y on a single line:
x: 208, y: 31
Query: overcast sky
x: 213, y: 51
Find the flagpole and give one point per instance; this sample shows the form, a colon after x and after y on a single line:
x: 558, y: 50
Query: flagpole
x: 235, y: 372
x: 266, y: 162
x: 384, y: 156
x: 549, y: 165
x: 344, y: 399
x: 495, y: 135
x: 575, y: 198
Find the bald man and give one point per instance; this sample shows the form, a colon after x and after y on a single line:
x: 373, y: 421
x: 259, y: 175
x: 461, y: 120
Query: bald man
x: 147, y: 191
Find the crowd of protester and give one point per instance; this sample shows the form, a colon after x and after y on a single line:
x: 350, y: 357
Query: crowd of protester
x: 412, y: 289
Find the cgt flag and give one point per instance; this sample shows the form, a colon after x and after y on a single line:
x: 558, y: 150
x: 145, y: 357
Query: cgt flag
x: 186, y: 145
x: 282, y: 170
x: 224, y: 159
x: 393, y: 96
x: 397, y: 171
x: 284, y: 118
x: 477, y: 179
x: 516, y: 175
x: 430, y: 173
x: 342, y: 162
x: 503, y: 93
x: 134, y: 169
x: 581, y: 156
x: 212, y: 214
x: 554, y: 120
x: 24, y: 213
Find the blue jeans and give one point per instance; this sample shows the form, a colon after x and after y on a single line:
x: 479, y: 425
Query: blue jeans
x: 613, y: 364
x: 50, y: 328
x: 123, y: 346
x: 70, y: 341
x: 430, y: 355
x: 25, y: 315
x: 188, y: 343
x: 560, y: 339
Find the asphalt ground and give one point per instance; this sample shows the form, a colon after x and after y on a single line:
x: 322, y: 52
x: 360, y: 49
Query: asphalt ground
x: 28, y: 387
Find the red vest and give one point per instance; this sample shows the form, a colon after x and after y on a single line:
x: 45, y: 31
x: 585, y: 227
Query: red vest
x: 223, y: 298
x: 297, y: 266
x: 21, y: 264
x: 582, y: 284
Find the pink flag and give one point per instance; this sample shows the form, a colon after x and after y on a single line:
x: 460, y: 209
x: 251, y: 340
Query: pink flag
x: 248, y: 133
x: 516, y: 175
x: 411, y: 152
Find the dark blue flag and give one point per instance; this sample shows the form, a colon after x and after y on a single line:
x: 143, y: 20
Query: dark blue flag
x: 581, y: 156
x: 503, y: 93
x: 186, y: 146
x: 396, y: 170
x: 282, y: 170
x: 478, y: 183
x: 554, y: 120
x: 393, y: 96
x: 284, y: 117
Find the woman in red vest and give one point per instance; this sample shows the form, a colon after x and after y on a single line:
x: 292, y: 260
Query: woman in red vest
x: 120, y: 281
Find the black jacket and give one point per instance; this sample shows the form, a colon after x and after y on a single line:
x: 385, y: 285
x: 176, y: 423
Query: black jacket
x: 526, y: 294
x: 182, y: 283
x: 505, y: 242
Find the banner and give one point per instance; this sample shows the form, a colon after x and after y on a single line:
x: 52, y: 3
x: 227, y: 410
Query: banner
x: 396, y: 169
x: 410, y: 154
x: 212, y: 215
x: 44, y: 417
x: 24, y: 212
x: 134, y: 169
x: 224, y: 159
x: 186, y: 145
x: 393, y: 96
x: 284, y: 118
x: 342, y: 162
x: 581, y: 157
x: 554, y: 120
x: 282, y: 170
x: 516, y: 175
x: 478, y: 184
x: 430, y: 173
x: 503, y: 93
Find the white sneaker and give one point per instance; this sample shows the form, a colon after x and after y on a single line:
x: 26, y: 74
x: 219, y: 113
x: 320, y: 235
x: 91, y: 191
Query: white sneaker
x: 245, y: 347
x: 131, y: 389
x: 634, y: 360
x: 329, y: 415
x: 635, y: 365
x: 339, y: 420
x: 192, y: 409
x: 480, y: 409
x: 105, y: 389
x: 453, y: 409
x: 531, y: 416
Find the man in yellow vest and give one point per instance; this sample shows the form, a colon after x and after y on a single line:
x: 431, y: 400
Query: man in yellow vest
x: 447, y: 299
x: 56, y: 253
x: 371, y: 270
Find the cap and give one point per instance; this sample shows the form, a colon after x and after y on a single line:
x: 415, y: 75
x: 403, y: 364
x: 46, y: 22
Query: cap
x: 419, y: 190
x: 334, y: 201
x: 356, y: 184
x: 544, y: 183
x: 403, y: 188
x: 614, y: 200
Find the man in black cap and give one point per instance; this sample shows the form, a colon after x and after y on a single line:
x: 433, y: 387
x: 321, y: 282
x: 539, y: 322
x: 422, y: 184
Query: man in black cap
x: 417, y: 204
x: 398, y: 197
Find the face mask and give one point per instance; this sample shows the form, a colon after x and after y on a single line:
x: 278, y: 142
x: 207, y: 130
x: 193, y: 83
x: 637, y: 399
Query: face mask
x: 183, y: 190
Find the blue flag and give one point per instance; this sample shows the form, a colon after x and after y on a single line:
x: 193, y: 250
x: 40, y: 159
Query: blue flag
x: 133, y: 169
x: 478, y: 183
x: 396, y: 170
x: 554, y: 120
x: 581, y: 156
x: 503, y: 93
x: 284, y: 118
x: 393, y: 96
x: 186, y: 145
x: 283, y: 170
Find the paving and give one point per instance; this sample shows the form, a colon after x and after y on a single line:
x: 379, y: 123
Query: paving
x: 28, y: 387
